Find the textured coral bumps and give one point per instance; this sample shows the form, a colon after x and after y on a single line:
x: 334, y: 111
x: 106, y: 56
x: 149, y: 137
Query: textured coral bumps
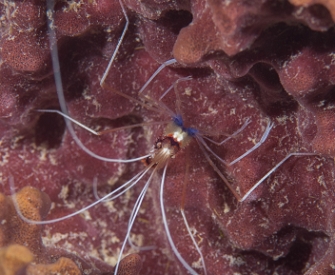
x: 266, y: 60
x: 22, y: 251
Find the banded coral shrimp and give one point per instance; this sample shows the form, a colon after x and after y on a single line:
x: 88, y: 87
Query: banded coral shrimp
x: 179, y: 130
x: 169, y: 172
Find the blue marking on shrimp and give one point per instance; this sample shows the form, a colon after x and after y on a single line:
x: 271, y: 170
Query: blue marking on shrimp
x: 178, y: 120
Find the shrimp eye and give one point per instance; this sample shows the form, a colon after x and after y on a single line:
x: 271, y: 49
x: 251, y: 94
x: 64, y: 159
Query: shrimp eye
x: 191, y: 131
x: 178, y: 120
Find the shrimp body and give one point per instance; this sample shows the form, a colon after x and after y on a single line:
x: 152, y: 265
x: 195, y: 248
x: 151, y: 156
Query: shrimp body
x: 175, y: 137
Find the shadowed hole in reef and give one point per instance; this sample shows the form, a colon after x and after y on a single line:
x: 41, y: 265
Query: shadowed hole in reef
x: 301, y: 249
x: 298, y: 256
x: 51, y: 127
x: 321, y: 14
x: 49, y: 130
x: 324, y: 98
x: 302, y: 246
x: 271, y: 95
x: 176, y: 20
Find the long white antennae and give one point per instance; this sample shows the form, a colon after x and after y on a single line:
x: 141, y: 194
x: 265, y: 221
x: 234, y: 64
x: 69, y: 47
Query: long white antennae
x: 186, y: 78
x: 131, y: 218
x: 168, y: 234
x: 133, y: 215
x: 60, y: 91
x: 259, y: 143
x: 54, y: 56
x: 140, y: 248
x: 161, y: 67
x: 69, y: 118
x: 149, y: 123
x: 193, y: 240
x: 95, y: 192
x: 272, y: 170
x: 137, y: 178
x: 216, y: 169
x: 118, y: 44
x: 245, y: 124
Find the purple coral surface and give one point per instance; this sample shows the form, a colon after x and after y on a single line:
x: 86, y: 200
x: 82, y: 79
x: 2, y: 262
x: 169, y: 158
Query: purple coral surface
x: 269, y: 61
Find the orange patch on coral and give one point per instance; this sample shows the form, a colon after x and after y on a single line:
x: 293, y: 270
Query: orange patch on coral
x: 24, y: 239
x: 14, y: 258
x: 63, y: 266
x: 34, y: 205
x: 130, y: 265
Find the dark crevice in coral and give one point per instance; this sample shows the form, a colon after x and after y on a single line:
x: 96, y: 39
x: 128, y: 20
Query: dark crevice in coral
x: 60, y: 5
x: 159, y: 36
x: 215, y: 57
x: 266, y: 76
x: 320, y: 15
x: 75, y: 51
x: 279, y: 11
x: 324, y: 98
x: 302, y: 246
x: 301, y: 249
x: 271, y: 95
x: 271, y: 41
x: 49, y: 130
x: 71, y: 55
x: 195, y: 73
x: 322, y: 43
x: 278, y: 7
x: 175, y: 20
